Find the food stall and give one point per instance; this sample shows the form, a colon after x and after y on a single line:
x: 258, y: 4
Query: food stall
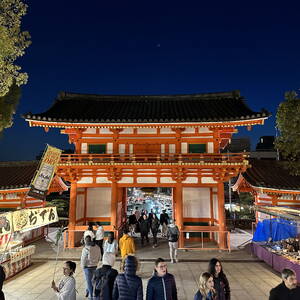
x: 276, y: 240
x: 14, y: 257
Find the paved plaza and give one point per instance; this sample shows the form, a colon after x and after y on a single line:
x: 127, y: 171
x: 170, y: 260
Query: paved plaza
x: 248, y: 280
x: 249, y: 277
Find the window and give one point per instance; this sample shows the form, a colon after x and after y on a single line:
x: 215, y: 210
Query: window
x: 197, y: 148
x: 97, y: 149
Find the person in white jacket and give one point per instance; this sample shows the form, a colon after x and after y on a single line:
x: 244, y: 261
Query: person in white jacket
x: 66, y: 289
x: 90, y: 257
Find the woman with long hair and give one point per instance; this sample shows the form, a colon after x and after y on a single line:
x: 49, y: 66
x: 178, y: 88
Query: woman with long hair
x: 66, y: 287
x: 221, y: 283
x: 206, y: 287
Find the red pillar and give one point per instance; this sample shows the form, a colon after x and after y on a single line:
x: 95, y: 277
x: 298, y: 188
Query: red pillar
x: 179, y: 212
x: 221, y: 210
x: 72, y: 214
x: 114, y: 203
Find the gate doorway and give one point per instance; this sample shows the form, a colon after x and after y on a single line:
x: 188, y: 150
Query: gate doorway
x: 156, y: 199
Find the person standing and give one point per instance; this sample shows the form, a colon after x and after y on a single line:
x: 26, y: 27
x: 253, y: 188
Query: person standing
x: 104, y: 278
x: 111, y: 247
x: 164, y: 221
x: 162, y: 285
x: 90, y: 257
x: 173, y: 236
x: 206, y: 287
x: 154, y: 228
x: 99, y: 236
x: 66, y: 289
x: 221, y: 284
x: 288, y: 289
x: 144, y: 228
x: 89, y: 232
x: 128, y: 286
x: 132, y: 223
x: 137, y: 213
x: 126, y: 244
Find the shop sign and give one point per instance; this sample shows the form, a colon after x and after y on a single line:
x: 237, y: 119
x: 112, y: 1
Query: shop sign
x: 6, y: 223
x: 33, y: 218
x: 42, y: 180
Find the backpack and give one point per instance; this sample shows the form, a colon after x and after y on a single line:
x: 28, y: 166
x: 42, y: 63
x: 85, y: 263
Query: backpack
x: 173, y: 237
x: 101, y: 285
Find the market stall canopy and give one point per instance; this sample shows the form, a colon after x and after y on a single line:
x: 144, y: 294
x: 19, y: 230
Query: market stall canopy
x: 282, y: 212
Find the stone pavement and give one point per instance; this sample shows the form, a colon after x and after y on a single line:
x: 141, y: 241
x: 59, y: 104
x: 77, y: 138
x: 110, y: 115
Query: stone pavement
x: 248, y: 280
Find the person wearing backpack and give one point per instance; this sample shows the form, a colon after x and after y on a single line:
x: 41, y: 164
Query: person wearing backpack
x: 128, y: 286
x: 104, y: 278
x: 173, y: 236
x: 90, y: 257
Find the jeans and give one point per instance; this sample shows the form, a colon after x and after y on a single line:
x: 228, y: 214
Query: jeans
x: 89, y: 273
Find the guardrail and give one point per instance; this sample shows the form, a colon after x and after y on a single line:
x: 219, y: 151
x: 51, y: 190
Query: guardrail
x: 221, y: 238
x: 154, y: 158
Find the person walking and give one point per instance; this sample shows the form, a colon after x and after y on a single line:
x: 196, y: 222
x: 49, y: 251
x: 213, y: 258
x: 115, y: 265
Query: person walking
x: 154, y: 228
x: 99, y: 236
x: 132, y: 224
x: 128, y: 286
x: 126, y: 244
x: 206, y: 287
x: 173, y: 236
x: 144, y: 228
x: 104, y: 278
x: 89, y: 232
x: 221, y: 284
x: 162, y: 285
x: 164, y: 221
x: 90, y: 257
x: 111, y: 247
x: 66, y: 289
x: 287, y: 289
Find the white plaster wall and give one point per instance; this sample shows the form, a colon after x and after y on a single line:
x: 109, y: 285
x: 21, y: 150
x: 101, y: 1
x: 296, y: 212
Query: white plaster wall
x: 210, y: 147
x: 146, y: 180
x: 127, y: 131
x: 207, y: 180
x: 122, y: 148
x: 166, y: 130
x: 204, y: 129
x: 147, y: 131
x: 131, y: 148
x: 162, y: 148
x: 90, y: 130
x: 215, y: 202
x: 189, y: 130
x: 105, y: 131
x: 102, y: 180
x: 109, y: 148
x: 126, y: 180
x: 196, y: 203
x: 86, y: 180
x: 79, y: 207
x: 98, y: 202
x: 167, y: 180
x: 184, y: 148
x: 191, y: 180
x: 172, y: 148
x: 84, y: 148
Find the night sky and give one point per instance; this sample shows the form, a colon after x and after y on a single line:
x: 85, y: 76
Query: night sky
x: 149, y: 47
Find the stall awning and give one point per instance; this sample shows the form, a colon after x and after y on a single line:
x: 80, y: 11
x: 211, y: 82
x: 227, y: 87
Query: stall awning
x: 282, y: 212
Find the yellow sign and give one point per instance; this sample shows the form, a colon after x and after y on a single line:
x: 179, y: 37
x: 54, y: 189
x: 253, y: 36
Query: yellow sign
x: 33, y: 217
x: 6, y: 223
x: 42, y: 180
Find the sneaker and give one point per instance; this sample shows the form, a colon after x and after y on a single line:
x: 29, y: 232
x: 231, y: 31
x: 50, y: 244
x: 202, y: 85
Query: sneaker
x: 172, y: 261
x: 87, y: 294
x: 176, y: 260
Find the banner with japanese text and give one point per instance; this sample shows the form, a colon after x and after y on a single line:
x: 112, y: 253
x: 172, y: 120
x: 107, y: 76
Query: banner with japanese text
x: 6, y: 223
x: 33, y: 217
x: 43, y: 177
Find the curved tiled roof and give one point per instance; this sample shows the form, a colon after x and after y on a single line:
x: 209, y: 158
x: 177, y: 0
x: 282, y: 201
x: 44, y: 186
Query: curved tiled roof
x: 211, y: 107
x: 17, y: 174
x: 271, y: 174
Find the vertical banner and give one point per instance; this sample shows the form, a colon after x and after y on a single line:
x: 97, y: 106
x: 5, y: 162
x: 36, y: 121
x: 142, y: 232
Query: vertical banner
x: 43, y: 177
x: 6, y: 223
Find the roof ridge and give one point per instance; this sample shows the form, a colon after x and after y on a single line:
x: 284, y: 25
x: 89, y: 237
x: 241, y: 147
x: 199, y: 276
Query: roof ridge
x: 230, y: 94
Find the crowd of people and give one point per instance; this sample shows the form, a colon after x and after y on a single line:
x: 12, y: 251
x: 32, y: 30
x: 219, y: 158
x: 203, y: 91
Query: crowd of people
x: 108, y: 283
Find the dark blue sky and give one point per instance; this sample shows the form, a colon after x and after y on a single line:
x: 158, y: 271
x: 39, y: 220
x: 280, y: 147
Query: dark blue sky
x: 149, y: 47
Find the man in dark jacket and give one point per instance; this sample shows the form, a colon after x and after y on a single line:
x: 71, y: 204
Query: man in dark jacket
x: 128, y: 286
x: 104, y: 278
x: 162, y: 285
x: 287, y: 290
x: 144, y: 228
x: 164, y: 221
